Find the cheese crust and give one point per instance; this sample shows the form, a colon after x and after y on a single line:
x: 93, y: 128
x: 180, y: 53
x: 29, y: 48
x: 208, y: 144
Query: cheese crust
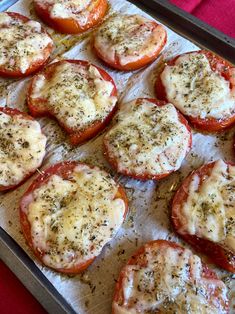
x: 75, y: 94
x: 72, y: 219
x: 209, y: 211
x: 22, y: 148
x: 169, y: 280
x: 128, y: 38
x: 147, y: 139
x: 197, y: 90
x: 66, y: 9
x: 21, y: 43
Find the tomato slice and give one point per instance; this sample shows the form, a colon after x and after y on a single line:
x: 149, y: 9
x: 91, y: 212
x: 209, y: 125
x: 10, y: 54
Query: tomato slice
x: 217, y: 252
x: 93, y: 15
x: 234, y: 143
x: 65, y: 171
x: 22, y: 116
x: 119, y: 166
x: 13, y: 71
x: 146, y: 51
x: 129, y: 300
x: 39, y: 106
x: 218, y: 65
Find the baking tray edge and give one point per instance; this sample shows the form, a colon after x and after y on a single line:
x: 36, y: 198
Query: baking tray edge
x: 30, y: 275
x: 190, y: 27
x: 5, y: 4
x: 179, y: 21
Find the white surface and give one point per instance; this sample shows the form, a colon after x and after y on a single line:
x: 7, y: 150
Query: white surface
x: 149, y: 201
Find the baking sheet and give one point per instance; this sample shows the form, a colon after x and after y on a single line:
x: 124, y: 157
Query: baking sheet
x: 149, y: 213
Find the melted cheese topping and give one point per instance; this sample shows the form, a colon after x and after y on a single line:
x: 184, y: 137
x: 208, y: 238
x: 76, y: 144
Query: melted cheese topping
x: 128, y: 38
x: 71, y: 220
x: 64, y: 9
x: 76, y: 96
x: 196, y: 90
x: 210, y: 207
x: 22, y: 148
x: 170, y: 282
x: 21, y: 43
x: 148, y: 138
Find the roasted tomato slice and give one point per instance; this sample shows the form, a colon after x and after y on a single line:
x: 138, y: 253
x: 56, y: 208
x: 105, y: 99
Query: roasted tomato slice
x: 69, y: 213
x: 80, y: 95
x: 24, y: 45
x: 203, y: 212
x: 149, y: 140
x: 68, y: 17
x: 129, y: 42
x: 163, y: 277
x: 22, y: 147
x: 202, y: 86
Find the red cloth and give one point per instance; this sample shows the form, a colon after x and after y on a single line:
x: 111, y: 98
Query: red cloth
x: 218, y: 13
x: 14, y: 298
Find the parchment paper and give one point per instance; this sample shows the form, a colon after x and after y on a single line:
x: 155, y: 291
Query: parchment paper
x: 149, y: 201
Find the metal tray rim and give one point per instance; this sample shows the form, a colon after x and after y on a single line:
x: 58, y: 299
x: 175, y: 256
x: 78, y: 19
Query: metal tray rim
x: 199, y: 32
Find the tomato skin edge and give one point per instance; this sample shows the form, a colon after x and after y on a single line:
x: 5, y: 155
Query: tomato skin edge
x: 211, y: 125
x: 63, y: 169
x: 215, y: 252
x: 34, y: 67
x: 11, y: 112
x: 118, y: 293
x: 70, y: 25
x: 95, y: 129
x: 208, y: 125
x: 233, y: 143
x: 114, y: 163
x: 131, y: 66
x: 81, y: 136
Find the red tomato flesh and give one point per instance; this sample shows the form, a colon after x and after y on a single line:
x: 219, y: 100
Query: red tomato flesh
x: 217, y: 254
x: 208, y: 124
x: 64, y: 170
